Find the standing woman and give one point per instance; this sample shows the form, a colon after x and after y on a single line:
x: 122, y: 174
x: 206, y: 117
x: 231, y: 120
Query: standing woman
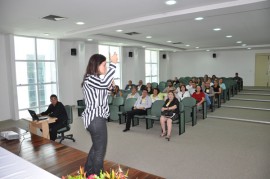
x: 95, y: 91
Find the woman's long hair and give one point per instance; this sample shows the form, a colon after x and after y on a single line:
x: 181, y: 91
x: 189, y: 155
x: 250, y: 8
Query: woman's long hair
x: 93, y: 64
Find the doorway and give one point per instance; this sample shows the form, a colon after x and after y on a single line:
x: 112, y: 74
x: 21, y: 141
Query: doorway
x: 262, y: 70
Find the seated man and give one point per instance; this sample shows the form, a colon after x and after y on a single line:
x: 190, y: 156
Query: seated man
x: 169, y: 87
x: 209, y: 94
x: 140, y: 108
x: 129, y: 85
x: 141, y: 86
x: 56, y: 109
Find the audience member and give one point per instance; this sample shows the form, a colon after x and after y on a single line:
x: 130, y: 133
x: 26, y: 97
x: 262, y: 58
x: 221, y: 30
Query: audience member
x: 199, y: 95
x: 129, y: 85
x: 134, y: 93
x: 149, y: 88
x: 140, y: 86
x: 175, y: 81
x: 189, y: 84
x: 56, y: 109
x: 209, y: 93
x: 192, y: 89
x: 169, y: 87
x: 155, y: 96
x: 221, y: 84
x: 140, y: 108
x: 116, y: 92
x: 182, y: 92
x: 169, y: 112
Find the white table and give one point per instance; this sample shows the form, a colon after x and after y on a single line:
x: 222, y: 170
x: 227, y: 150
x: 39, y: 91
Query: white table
x: 13, y: 166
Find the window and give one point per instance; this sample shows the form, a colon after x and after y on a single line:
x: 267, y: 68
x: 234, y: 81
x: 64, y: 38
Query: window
x: 106, y: 51
x: 36, y: 77
x: 151, y: 66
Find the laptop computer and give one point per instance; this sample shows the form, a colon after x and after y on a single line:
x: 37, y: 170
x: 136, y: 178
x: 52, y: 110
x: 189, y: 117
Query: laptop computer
x: 35, y: 116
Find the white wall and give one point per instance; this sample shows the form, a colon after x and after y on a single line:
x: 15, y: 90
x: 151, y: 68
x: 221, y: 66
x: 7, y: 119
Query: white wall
x: 5, y: 80
x: 225, y: 64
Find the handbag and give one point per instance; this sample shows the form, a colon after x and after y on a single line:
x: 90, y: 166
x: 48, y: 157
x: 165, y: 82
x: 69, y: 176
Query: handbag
x: 167, y: 113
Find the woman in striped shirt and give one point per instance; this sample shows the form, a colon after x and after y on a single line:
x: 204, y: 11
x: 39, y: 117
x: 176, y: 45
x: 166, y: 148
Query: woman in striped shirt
x: 95, y: 91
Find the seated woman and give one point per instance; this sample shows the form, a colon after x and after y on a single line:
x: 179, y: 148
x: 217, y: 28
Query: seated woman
x: 171, y: 105
x: 182, y: 92
x: 155, y: 96
x: 149, y: 88
x: 217, y: 89
x: 134, y: 93
x: 116, y: 92
x: 199, y: 96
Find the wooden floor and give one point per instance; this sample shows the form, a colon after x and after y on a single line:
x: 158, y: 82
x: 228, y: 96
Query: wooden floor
x: 56, y: 158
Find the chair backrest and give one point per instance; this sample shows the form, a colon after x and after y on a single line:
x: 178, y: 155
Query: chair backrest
x: 156, y: 108
x: 129, y: 103
x: 68, y: 109
x: 110, y: 99
x: 118, y: 101
x: 154, y: 84
x: 188, y: 102
x: 181, y: 106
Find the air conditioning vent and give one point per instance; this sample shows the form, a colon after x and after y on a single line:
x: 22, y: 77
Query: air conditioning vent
x: 132, y: 33
x: 177, y: 43
x: 54, y: 18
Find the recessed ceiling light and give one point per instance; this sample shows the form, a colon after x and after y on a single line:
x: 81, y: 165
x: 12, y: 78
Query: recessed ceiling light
x: 229, y: 36
x: 89, y: 39
x: 170, y: 2
x: 187, y: 45
x: 249, y: 48
x: 80, y: 23
x: 143, y: 46
x: 161, y: 49
x: 207, y: 50
x: 148, y: 37
x: 239, y: 42
x: 197, y: 47
x: 244, y: 45
x: 217, y: 29
x: 46, y: 34
x: 169, y: 41
x: 199, y: 18
x: 119, y: 30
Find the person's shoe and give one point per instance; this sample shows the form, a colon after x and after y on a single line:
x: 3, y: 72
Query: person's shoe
x: 168, y: 138
x: 125, y: 130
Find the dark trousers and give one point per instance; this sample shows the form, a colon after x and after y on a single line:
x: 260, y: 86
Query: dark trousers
x: 53, y: 127
x: 98, y: 132
x: 130, y: 115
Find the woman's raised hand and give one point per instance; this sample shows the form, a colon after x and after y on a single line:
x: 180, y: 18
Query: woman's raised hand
x: 114, y: 58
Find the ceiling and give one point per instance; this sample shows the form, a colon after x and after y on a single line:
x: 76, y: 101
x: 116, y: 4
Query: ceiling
x: 245, y: 20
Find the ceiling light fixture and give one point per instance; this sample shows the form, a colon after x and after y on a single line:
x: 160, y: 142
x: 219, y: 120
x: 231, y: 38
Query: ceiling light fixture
x: 89, y: 39
x: 187, y: 45
x: 239, y: 42
x: 46, y: 34
x: 80, y: 23
x: 217, y: 29
x: 207, y: 50
x: 160, y: 49
x: 197, y: 47
x: 143, y: 46
x: 199, y: 18
x: 170, y: 2
x: 249, y: 48
x: 148, y: 37
x: 169, y: 41
x: 119, y: 30
x: 229, y: 36
x: 244, y: 45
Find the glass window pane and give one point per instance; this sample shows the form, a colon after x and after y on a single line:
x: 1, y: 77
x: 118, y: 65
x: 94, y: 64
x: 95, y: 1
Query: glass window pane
x: 154, y: 69
x: 147, y: 56
x: 45, y: 49
x: 26, y: 73
x: 117, y: 82
x: 43, y: 108
x: 27, y: 96
x: 148, y: 80
x: 147, y: 69
x: 45, y: 91
x: 104, y: 50
x: 154, y: 56
x: 154, y: 79
x: 24, y: 48
x: 46, y: 72
x: 117, y: 71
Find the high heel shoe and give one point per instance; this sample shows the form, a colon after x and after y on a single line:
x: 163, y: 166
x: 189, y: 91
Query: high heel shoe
x: 168, y: 138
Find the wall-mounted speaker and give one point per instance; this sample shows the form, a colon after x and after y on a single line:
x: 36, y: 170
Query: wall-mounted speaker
x: 73, y: 52
x: 214, y: 55
x: 130, y: 54
x: 164, y: 56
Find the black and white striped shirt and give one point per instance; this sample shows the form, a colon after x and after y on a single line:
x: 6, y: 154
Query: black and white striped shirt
x: 95, y: 92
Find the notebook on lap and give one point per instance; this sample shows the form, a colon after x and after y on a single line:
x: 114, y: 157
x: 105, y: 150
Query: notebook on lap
x: 35, y: 116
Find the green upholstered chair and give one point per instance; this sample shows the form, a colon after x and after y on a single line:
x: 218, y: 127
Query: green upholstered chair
x: 181, y: 118
x: 129, y: 103
x: 155, y: 113
x: 62, y: 131
x: 154, y: 85
x: 80, y: 106
x: 190, y: 109
x: 115, y: 107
